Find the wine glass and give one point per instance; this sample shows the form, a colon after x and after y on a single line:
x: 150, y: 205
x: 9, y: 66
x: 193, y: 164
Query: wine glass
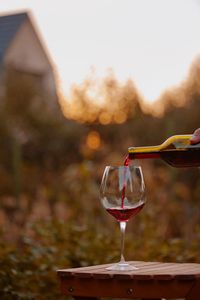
x: 122, y: 194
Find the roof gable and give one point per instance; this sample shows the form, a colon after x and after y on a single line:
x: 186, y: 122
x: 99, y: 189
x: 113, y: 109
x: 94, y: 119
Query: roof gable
x: 9, y: 26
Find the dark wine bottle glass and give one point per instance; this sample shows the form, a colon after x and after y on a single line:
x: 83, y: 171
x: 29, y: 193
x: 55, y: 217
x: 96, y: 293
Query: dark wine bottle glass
x: 177, y: 151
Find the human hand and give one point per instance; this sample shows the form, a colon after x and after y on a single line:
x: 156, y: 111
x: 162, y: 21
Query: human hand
x: 195, y: 139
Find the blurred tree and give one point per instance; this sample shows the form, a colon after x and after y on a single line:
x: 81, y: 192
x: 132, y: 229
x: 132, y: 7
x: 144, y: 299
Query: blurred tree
x: 32, y: 132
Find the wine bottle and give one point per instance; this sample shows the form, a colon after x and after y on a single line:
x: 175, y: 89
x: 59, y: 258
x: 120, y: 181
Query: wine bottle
x: 177, y: 151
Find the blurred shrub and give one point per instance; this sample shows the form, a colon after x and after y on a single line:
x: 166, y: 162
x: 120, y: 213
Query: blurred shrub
x: 29, y: 271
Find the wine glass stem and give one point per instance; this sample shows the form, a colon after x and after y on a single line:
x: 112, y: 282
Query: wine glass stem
x: 122, y: 229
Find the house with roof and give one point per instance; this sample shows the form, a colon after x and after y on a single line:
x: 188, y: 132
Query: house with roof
x: 22, y: 50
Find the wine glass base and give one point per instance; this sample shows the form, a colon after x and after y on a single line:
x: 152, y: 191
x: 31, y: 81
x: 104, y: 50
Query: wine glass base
x: 122, y: 267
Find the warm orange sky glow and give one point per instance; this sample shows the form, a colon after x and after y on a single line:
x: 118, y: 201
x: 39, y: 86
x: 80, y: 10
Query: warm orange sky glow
x: 152, y: 42
x: 104, y: 101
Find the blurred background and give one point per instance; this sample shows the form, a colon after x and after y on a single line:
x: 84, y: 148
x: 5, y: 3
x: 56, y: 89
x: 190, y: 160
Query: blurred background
x: 54, y: 147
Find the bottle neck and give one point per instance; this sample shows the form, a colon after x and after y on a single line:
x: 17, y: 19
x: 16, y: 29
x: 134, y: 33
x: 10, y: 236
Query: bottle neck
x: 144, y: 152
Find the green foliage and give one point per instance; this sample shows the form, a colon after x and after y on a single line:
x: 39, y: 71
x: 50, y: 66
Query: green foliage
x: 29, y: 271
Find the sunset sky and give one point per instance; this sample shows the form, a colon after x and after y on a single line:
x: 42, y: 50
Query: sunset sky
x: 153, y: 42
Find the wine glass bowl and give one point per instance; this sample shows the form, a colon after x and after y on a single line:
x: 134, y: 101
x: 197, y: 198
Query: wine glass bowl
x: 122, y: 194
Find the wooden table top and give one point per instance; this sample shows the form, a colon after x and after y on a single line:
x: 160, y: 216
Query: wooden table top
x: 152, y: 280
x: 145, y: 271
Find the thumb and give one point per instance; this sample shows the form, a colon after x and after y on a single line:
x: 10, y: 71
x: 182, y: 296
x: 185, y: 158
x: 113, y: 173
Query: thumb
x: 195, y: 137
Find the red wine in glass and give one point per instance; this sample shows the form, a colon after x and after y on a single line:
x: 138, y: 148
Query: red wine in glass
x: 125, y: 213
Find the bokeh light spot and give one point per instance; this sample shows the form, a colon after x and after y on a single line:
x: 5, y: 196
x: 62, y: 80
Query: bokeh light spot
x: 93, y: 140
x: 104, y: 118
x: 120, y: 117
